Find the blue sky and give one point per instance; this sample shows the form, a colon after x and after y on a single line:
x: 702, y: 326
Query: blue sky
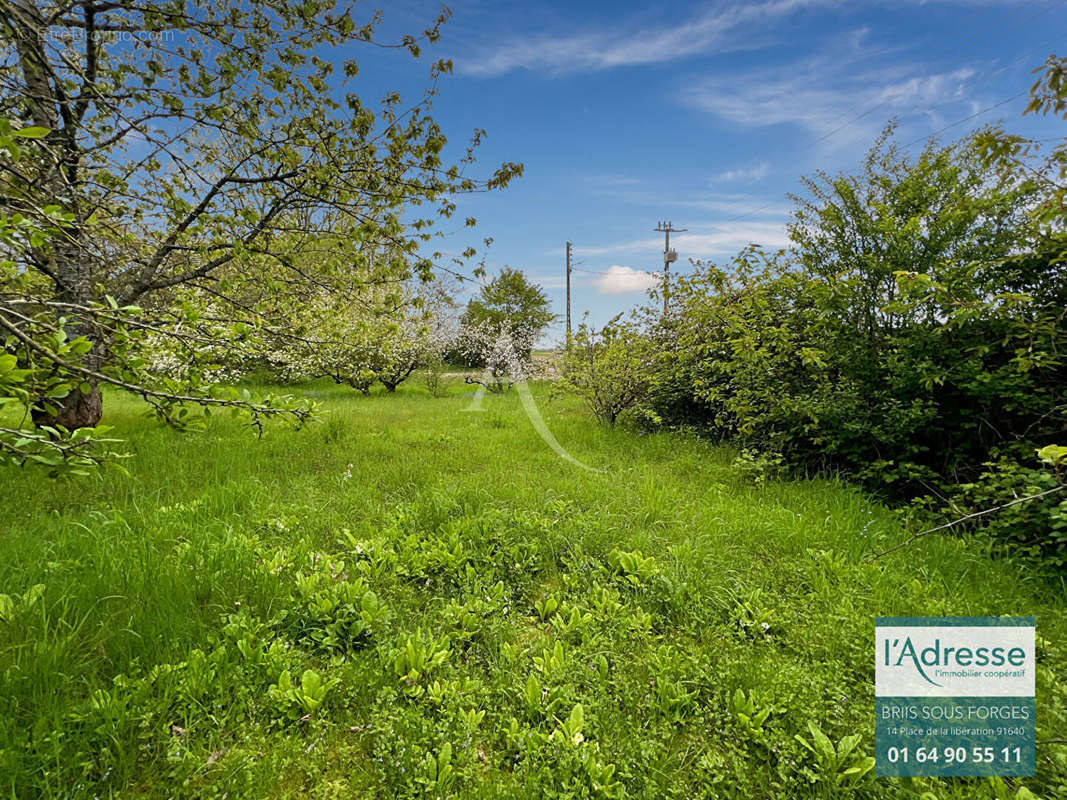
x: 706, y: 114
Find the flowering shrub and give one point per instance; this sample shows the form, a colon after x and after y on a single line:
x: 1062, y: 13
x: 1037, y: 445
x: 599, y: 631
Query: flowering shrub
x: 503, y: 348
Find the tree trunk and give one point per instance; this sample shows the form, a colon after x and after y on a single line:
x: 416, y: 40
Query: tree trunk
x: 58, y: 182
x: 76, y: 410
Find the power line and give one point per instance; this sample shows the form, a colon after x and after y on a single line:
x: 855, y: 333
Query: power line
x: 887, y: 101
x: 594, y: 272
x: 750, y: 213
x: 986, y: 73
x: 939, y: 131
x: 767, y: 205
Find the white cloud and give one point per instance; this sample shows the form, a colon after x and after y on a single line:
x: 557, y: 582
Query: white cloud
x: 829, y: 95
x: 720, y: 29
x: 623, y: 280
x: 749, y: 175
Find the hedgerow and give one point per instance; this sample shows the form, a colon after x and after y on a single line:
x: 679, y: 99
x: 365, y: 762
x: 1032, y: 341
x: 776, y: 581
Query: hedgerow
x: 912, y: 339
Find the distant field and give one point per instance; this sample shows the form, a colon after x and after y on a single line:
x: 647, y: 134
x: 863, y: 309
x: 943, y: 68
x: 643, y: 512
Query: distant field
x: 410, y: 599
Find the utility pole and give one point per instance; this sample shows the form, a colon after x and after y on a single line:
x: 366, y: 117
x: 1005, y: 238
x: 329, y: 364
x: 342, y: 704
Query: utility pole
x: 568, y: 294
x: 667, y: 228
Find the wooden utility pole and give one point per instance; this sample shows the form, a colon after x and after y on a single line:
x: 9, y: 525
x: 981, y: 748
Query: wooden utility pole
x: 568, y: 294
x: 667, y: 228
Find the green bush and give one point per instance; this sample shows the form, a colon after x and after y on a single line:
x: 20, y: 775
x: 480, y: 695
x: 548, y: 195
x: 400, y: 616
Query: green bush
x: 912, y: 335
x: 612, y: 369
x: 1035, y: 528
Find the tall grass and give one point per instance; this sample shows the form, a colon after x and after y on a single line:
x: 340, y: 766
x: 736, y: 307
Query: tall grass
x: 175, y: 598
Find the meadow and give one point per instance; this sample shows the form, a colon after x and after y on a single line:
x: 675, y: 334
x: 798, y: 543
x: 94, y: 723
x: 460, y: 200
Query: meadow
x: 412, y: 599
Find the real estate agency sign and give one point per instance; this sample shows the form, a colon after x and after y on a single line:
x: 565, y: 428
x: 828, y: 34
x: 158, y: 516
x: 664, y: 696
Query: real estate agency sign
x: 954, y: 696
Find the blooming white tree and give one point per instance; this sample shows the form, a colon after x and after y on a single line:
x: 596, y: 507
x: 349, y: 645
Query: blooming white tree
x: 403, y: 346
x: 501, y: 347
x: 376, y: 333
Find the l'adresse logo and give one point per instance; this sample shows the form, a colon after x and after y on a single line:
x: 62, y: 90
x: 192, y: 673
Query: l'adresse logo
x: 951, y: 661
x: 903, y: 653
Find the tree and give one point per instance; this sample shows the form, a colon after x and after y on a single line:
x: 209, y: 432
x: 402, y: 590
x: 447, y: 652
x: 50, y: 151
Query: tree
x: 334, y: 337
x: 510, y: 299
x: 909, y: 339
x: 612, y: 369
x: 373, y: 332
x: 204, y: 147
x: 943, y: 208
x: 499, y: 348
x: 404, y: 345
x: 420, y: 337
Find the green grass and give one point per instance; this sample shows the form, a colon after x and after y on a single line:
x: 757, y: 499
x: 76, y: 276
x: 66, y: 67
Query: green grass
x: 451, y: 592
